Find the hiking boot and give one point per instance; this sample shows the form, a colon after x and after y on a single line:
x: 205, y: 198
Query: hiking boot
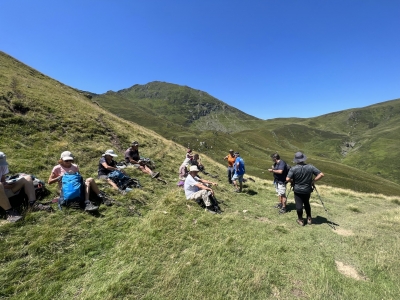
x: 300, y: 222
x: 282, y: 210
x: 13, y: 216
x: 155, y: 174
x: 40, y: 207
x: 278, y: 205
x: 217, y: 210
x: 309, y: 221
x: 210, y: 209
x: 91, y: 207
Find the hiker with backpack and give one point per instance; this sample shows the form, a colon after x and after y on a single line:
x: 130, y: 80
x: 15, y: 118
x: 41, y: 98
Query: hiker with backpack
x: 107, y: 164
x: 132, y: 156
x: 9, y: 189
x: 239, y: 173
x: 279, y: 169
x: 71, y: 186
x: 199, y: 190
x: 231, y: 160
x: 302, y: 177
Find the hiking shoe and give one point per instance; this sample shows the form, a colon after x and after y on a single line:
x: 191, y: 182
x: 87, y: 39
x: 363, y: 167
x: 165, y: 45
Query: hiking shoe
x: 155, y: 174
x: 211, y: 210
x: 217, y: 210
x: 13, y: 216
x: 41, y: 207
x: 309, y: 221
x: 278, y: 205
x: 91, y: 207
x: 282, y: 210
x: 300, y: 222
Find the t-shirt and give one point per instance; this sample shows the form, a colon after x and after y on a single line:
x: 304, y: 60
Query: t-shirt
x: 239, y: 170
x: 190, y: 185
x: 104, y: 171
x: 231, y: 160
x: 183, y: 172
x: 302, y: 176
x: 59, y: 170
x: 133, y: 154
x: 281, y: 165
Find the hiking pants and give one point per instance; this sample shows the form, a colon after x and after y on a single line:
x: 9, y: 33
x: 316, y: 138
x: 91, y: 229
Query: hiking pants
x: 231, y: 171
x: 204, y: 194
x: 302, y: 199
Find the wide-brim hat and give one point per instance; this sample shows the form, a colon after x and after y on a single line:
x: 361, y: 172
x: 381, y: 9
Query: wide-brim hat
x: 299, y: 157
x: 66, y: 155
x: 110, y: 152
x: 193, y: 169
x: 3, y: 161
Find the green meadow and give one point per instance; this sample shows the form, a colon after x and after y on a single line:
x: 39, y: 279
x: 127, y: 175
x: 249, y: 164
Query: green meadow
x: 153, y: 244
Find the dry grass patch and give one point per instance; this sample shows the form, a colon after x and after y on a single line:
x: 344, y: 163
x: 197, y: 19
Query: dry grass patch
x: 348, y: 271
x: 344, y: 232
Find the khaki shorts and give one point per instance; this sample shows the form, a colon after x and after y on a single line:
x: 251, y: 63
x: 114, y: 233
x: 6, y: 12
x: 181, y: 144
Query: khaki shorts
x: 280, y: 189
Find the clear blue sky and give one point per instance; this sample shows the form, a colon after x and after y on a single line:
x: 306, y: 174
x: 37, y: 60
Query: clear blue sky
x: 268, y: 58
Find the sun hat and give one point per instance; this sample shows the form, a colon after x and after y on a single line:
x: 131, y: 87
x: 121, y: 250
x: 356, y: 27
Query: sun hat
x: 66, y: 155
x: 193, y: 169
x: 230, y: 150
x: 299, y: 157
x: 3, y: 161
x: 135, y: 143
x: 110, y: 152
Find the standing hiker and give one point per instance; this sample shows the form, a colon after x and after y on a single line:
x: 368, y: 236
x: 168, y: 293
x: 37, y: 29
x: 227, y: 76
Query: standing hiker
x: 239, y: 172
x: 231, y: 160
x: 279, y: 170
x: 301, y: 178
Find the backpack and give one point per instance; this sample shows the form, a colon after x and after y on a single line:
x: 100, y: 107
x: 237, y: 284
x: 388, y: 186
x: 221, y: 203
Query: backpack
x: 72, y: 189
x: 123, y: 181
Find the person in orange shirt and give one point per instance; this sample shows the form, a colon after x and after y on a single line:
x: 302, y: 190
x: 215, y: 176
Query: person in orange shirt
x: 231, y: 161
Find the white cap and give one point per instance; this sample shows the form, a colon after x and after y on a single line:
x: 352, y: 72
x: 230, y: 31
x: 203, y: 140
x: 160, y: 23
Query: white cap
x: 110, y: 152
x: 66, y: 155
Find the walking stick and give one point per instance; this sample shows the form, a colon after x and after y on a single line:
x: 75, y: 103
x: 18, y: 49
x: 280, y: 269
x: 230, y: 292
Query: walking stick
x: 331, y: 224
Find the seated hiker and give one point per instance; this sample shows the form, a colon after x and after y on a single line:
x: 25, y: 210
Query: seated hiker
x: 66, y: 166
x: 10, y: 189
x: 196, y: 161
x: 107, y: 165
x: 183, y: 173
x: 198, y: 189
x: 132, y: 156
x: 189, y: 154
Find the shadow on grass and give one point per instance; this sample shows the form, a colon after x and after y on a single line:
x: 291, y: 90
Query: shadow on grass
x: 250, y: 192
x: 318, y: 220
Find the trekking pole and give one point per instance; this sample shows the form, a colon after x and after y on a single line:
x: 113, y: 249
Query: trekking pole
x: 323, y: 205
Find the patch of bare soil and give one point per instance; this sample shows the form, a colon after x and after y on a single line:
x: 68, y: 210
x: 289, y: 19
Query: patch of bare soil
x: 264, y: 220
x: 348, y: 271
x: 344, y: 232
x: 316, y: 204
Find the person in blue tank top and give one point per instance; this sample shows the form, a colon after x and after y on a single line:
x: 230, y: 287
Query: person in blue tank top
x: 239, y: 172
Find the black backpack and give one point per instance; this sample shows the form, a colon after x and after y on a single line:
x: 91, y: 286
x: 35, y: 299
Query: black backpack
x: 40, y: 187
x: 123, y: 181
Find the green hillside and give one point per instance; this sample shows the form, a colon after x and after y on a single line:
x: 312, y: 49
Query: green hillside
x: 359, y: 138
x: 175, y: 250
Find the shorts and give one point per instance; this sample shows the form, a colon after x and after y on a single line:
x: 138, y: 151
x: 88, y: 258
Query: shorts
x: 10, y: 193
x: 237, y: 177
x: 280, y: 189
x: 104, y: 177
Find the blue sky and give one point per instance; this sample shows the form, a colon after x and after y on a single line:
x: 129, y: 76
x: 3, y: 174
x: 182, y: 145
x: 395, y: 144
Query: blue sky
x: 268, y: 58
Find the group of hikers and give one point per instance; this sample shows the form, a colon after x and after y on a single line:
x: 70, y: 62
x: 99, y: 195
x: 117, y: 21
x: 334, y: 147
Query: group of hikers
x: 66, y: 175
x: 301, y: 177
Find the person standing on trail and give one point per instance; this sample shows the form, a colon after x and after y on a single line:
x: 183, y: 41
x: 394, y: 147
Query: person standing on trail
x: 279, y: 170
x: 231, y: 160
x: 239, y: 172
x: 301, y: 176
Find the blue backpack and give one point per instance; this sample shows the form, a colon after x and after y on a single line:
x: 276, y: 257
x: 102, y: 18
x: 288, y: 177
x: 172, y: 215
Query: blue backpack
x: 123, y: 181
x: 72, y: 189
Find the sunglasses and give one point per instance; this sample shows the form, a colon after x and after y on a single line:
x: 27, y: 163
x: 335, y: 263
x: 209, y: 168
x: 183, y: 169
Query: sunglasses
x: 68, y: 160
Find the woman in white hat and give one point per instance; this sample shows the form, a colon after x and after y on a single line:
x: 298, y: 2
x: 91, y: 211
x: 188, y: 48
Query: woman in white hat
x: 66, y: 165
x: 107, y: 165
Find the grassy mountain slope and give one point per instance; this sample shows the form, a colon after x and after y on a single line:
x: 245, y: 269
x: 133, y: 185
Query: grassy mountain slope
x: 174, y: 250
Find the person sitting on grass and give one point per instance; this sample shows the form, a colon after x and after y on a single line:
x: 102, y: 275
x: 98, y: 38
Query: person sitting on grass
x: 66, y: 165
x: 107, y: 165
x: 183, y: 173
x: 198, y: 189
x: 132, y: 156
x: 8, y: 190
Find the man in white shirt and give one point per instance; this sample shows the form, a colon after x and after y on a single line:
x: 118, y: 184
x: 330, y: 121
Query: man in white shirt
x: 197, y: 189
